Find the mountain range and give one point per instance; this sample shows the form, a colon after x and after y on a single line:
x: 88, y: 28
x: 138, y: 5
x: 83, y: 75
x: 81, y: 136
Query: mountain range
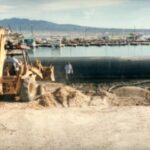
x: 18, y: 24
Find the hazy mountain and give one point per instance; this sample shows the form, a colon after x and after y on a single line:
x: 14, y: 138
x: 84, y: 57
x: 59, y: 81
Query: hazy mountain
x: 17, y: 24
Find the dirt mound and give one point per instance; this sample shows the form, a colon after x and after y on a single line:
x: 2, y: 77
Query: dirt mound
x: 59, y: 95
x: 124, y: 96
x: 47, y: 100
x: 103, y: 98
x: 66, y: 96
x: 132, y: 95
x: 70, y: 97
x: 132, y: 91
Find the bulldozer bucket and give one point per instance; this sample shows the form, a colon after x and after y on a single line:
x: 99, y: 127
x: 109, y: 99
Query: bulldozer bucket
x: 36, y: 72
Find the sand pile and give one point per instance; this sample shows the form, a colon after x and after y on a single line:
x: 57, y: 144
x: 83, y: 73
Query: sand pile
x: 132, y: 91
x: 47, y: 100
x: 123, y: 96
x: 103, y: 98
x: 132, y: 95
x: 62, y: 96
x: 70, y: 97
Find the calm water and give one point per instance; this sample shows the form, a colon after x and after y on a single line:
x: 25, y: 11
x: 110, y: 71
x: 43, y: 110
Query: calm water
x: 105, y: 51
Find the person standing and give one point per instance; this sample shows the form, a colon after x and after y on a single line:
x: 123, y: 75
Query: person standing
x: 68, y: 71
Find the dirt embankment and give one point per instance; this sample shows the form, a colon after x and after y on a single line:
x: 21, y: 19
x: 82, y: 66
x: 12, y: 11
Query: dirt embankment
x: 60, y: 95
x: 85, y: 95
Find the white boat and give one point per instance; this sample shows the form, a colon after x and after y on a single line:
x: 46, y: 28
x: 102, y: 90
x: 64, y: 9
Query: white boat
x: 56, y: 43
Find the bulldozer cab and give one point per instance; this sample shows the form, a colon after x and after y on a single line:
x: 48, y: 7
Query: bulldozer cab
x: 12, y: 72
x: 14, y: 59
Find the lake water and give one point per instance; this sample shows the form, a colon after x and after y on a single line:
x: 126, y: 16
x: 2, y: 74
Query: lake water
x: 104, y: 51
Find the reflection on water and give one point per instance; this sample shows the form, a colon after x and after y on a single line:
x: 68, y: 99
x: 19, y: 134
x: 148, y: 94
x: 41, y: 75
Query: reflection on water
x: 105, y: 51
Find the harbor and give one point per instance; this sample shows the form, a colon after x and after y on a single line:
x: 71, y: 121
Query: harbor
x: 90, y: 63
x: 50, y: 40
x: 132, y: 39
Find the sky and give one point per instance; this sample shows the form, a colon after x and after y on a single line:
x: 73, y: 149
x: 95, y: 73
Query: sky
x: 95, y: 13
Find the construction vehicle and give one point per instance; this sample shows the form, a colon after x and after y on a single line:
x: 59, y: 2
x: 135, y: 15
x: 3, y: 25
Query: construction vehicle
x: 23, y: 84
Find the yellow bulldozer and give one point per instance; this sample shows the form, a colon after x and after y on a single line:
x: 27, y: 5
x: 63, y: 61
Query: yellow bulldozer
x: 23, y: 83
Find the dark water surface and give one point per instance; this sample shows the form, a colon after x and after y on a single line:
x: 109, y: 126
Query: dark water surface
x: 98, y: 63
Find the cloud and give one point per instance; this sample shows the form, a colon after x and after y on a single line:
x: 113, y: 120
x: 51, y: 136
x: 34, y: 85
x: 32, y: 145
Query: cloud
x: 102, y: 13
x: 55, y: 5
x: 61, y: 5
x: 89, y: 13
x: 5, y: 8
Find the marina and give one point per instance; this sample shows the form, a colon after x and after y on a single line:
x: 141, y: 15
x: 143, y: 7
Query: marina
x: 129, y: 59
x: 90, y: 42
x: 130, y: 39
